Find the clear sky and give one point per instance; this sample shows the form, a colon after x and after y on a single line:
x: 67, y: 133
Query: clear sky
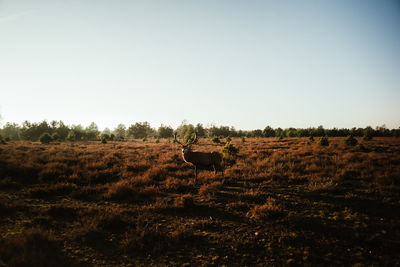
x: 245, y: 64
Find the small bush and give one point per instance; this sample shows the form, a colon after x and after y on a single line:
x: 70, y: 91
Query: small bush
x: 228, y: 139
x: 311, y: 139
x: 243, y: 139
x: 103, y: 140
x: 350, y: 141
x: 157, y: 141
x: 323, y: 141
x: 229, y: 150
x: 367, y: 136
x: 215, y: 140
x: 45, y: 138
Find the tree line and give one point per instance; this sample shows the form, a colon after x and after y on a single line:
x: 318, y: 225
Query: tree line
x: 59, y: 131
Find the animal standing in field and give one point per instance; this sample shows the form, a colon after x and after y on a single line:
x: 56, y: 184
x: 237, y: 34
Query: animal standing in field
x: 211, y: 161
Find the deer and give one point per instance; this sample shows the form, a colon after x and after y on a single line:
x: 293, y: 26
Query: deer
x: 211, y: 161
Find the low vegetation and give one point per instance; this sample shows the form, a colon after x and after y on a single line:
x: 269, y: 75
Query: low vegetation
x: 286, y: 201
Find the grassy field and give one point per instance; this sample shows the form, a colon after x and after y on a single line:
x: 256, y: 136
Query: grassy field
x: 284, y: 202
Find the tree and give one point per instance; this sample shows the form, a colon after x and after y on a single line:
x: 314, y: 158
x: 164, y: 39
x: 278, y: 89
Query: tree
x: 165, y: 131
x: 91, y: 132
x: 77, y: 131
x: 268, y: 132
x: 120, y: 132
x: 140, y: 130
x: 11, y: 131
x: 201, y: 132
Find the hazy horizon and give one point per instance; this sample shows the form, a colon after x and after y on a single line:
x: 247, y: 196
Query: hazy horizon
x: 234, y: 63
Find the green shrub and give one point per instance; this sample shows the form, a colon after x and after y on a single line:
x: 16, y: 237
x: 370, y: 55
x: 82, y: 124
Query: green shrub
x: 45, y: 138
x: 367, y: 136
x: 157, y: 141
x: 229, y: 150
x: 228, y: 139
x: 311, y: 139
x: 323, y: 141
x: 350, y: 141
x: 243, y: 139
x: 215, y: 140
x: 103, y: 140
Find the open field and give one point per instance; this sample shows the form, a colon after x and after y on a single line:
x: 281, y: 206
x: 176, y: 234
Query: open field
x: 284, y: 202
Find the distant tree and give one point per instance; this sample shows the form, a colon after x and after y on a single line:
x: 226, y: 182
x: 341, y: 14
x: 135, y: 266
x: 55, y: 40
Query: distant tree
x: 268, y: 132
x: 165, y: 131
x: 71, y: 136
x: 62, y: 130
x: 279, y: 132
x: 120, y: 132
x: 106, y: 131
x: 32, y: 131
x: 291, y: 132
x: 201, y: 132
x: 91, y: 132
x: 140, y: 130
x: 11, y: 131
x: 78, y: 132
x: 320, y: 131
x: 185, y: 131
x: 368, y: 133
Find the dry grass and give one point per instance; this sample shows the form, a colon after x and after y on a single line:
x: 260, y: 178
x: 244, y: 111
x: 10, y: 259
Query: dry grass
x: 283, y: 202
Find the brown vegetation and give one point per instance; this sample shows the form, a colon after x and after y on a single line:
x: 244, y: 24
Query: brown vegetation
x: 284, y: 201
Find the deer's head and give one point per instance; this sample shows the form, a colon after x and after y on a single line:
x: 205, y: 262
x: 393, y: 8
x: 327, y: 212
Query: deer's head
x: 186, y: 147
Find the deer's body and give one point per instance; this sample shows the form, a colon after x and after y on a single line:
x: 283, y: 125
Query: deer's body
x: 211, y: 161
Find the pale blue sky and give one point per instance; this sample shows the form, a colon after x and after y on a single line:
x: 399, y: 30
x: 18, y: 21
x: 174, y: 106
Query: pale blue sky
x: 246, y: 64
